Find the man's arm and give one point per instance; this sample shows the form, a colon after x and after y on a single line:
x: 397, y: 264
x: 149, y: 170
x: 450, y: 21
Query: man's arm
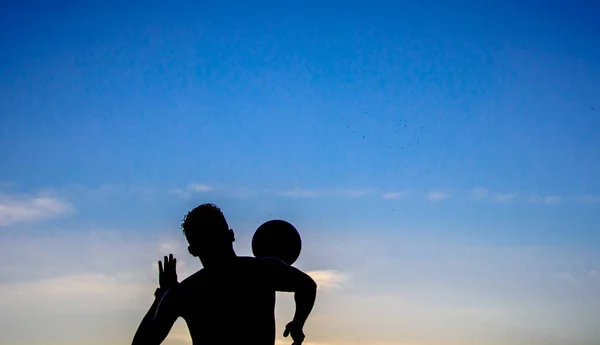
x: 163, y: 313
x: 283, y: 277
x: 159, y: 320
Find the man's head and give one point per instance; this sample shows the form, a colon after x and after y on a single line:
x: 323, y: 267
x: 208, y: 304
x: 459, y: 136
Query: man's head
x: 208, y: 234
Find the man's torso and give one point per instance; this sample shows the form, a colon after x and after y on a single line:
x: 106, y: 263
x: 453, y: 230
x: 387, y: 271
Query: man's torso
x: 228, y: 305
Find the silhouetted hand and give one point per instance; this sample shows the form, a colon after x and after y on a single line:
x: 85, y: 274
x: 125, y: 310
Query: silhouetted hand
x: 167, y: 277
x: 295, y: 330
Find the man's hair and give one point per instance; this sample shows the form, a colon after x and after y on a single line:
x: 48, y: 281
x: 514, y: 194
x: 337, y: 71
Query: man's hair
x: 207, y: 212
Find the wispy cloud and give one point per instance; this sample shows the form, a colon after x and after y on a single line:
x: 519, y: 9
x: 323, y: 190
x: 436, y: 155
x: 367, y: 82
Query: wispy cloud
x: 479, y: 193
x: 392, y: 195
x: 333, y: 193
x: 591, y: 199
x: 199, y: 188
x: 504, y: 197
x: 105, y: 193
x: 438, y: 195
x: 108, y: 192
x: 299, y: 193
x: 546, y: 200
x: 192, y: 188
x: 328, y: 279
x: 23, y: 208
x: 552, y: 199
x: 567, y: 277
x: 72, y: 293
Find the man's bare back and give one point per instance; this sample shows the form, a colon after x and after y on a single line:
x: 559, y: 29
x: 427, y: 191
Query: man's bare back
x: 229, y: 305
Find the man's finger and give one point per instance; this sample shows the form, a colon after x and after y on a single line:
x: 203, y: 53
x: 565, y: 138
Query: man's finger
x: 170, y: 268
x: 286, y: 332
x: 160, y: 267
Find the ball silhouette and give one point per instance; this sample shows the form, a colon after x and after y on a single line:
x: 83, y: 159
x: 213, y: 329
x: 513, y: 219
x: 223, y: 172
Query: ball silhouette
x: 277, y: 238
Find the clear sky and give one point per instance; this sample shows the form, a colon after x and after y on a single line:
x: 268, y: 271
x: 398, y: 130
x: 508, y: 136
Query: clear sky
x: 440, y: 160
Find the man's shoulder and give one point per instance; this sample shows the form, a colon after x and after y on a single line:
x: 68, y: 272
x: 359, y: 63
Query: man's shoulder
x: 192, y: 279
x: 254, y: 265
x: 246, y: 259
x: 268, y: 265
x: 269, y: 260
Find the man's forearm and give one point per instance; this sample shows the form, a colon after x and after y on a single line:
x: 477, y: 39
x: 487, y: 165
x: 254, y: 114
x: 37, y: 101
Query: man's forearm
x: 145, y: 325
x: 305, y: 300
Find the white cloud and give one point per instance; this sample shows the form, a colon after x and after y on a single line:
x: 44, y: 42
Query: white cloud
x: 92, y: 292
x: 199, y: 188
x: 504, y: 197
x: 299, y: 193
x: 546, y: 200
x: 60, y: 254
x: 392, y: 195
x: 20, y: 208
x: 592, y: 199
x: 192, y: 188
x: 334, y: 193
x: 568, y: 277
x: 536, y: 199
x: 439, y: 195
x: 479, y: 193
x: 552, y: 199
x: 328, y: 279
x: 107, y: 192
x: 85, y: 272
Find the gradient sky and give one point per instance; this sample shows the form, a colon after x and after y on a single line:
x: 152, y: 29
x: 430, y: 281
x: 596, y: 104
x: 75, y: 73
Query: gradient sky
x: 440, y: 160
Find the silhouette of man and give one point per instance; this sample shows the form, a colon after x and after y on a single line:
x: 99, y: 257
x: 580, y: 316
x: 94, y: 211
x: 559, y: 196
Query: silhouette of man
x: 231, y: 300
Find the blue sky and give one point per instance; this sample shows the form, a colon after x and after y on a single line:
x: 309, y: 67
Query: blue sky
x: 459, y: 128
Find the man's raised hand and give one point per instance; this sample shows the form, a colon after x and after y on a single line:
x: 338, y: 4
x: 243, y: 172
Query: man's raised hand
x: 167, y: 275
